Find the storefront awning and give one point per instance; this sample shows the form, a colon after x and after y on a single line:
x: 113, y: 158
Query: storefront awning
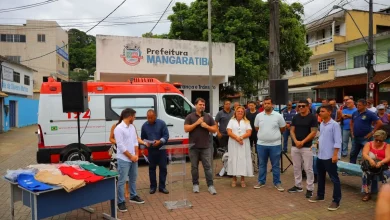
x: 354, y: 80
x: 2, y: 94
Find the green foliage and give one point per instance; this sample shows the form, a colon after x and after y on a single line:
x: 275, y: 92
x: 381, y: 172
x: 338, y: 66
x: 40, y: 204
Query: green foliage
x: 79, y: 76
x: 246, y: 24
x: 82, y: 50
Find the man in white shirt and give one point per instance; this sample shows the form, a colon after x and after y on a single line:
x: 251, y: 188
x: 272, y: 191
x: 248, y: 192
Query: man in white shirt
x: 127, y: 158
x: 270, y: 126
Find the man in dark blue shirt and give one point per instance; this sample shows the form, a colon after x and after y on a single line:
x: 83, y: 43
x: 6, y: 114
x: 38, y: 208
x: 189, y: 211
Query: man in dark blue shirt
x: 156, y: 130
x: 361, y: 128
x: 288, y: 115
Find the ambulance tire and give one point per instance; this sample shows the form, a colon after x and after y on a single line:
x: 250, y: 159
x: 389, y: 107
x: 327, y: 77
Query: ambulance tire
x: 70, y: 153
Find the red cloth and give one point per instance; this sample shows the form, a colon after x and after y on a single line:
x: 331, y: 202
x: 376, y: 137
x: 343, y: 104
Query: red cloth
x: 380, y: 154
x: 261, y: 109
x: 87, y: 176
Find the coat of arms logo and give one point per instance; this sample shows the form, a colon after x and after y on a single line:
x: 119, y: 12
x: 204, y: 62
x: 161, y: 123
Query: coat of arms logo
x: 132, y: 54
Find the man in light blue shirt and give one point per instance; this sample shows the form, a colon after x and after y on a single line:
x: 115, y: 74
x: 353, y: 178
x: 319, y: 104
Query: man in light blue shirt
x: 328, y: 155
x: 270, y: 126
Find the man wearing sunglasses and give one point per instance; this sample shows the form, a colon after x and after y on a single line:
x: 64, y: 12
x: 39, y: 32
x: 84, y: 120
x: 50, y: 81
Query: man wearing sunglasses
x: 303, y: 130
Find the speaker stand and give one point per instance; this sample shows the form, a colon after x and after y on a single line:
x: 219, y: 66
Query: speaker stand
x: 78, y: 134
x: 283, y: 153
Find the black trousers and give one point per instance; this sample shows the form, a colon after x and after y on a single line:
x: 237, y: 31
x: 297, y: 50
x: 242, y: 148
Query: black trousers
x: 157, y: 157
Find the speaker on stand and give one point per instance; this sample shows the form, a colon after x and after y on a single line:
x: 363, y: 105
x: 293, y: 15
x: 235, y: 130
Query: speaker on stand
x: 75, y: 99
x: 279, y: 96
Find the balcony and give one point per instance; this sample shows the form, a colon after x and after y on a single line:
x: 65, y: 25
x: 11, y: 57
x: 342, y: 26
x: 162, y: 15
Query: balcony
x: 313, y: 79
x: 320, y: 42
x: 361, y: 70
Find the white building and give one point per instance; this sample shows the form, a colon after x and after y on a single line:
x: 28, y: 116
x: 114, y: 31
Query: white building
x: 119, y: 58
x: 17, y: 108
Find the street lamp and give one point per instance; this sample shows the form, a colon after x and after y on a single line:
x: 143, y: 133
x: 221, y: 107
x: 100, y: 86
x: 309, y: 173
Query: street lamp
x: 370, y: 51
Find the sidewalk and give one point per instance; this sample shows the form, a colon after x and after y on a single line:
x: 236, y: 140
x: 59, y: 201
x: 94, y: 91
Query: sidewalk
x: 18, y: 147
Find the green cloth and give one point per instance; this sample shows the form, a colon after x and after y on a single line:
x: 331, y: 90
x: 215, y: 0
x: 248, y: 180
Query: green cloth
x: 98, y: 170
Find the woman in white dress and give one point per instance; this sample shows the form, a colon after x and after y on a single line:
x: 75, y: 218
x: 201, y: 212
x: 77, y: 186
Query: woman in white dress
x: 240, y: 160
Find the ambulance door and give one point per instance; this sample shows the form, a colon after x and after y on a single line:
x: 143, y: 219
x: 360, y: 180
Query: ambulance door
x: 115, y: 104
x: 173, y: 109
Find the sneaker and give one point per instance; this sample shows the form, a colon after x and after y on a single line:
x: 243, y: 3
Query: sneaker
x: 212, y: 190
x: 137, y: 200
x: 279, y: 187
x: 259, y: 185
x: 309, y: 194
x: 333, y: 206
x: 195, y: 188
x: 295, y: 189
x: 122, y: 207
x: 316, y: 199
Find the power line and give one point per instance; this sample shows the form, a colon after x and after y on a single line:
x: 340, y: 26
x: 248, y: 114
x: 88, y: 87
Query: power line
x: 26, y: 6
x: 85, y: 32
x: 161, y: 16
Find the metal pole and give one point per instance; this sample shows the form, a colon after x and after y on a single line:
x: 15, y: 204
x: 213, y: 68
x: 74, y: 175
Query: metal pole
x: 210, y: 81
x: 370, y: 52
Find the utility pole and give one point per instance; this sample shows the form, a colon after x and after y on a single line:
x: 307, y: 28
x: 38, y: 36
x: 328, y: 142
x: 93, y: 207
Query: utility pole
x: 210, y: 59
x: 274, y: 40
x: 370, y: 53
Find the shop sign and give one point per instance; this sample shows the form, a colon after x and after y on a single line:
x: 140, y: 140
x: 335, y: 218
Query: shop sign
x: 384, y: 87
x: 196, y: 87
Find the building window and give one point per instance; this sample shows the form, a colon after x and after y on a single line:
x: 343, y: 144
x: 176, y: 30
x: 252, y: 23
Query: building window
x: 15, y: 59
x: 17, y: 77
x: 306, y: 71
x: 41, y: 38
x: 27, y: 80
x: 324, y: 64
x: 359, y: 61
x: 63, y: 64
x: 45, y: 79
x: 337, y: 30
x: 13, y: 38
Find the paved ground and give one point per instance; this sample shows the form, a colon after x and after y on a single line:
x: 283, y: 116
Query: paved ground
x: 17, y: 150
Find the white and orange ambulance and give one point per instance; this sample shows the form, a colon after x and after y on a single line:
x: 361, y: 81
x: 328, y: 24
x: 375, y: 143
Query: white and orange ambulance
x: 57, y: 131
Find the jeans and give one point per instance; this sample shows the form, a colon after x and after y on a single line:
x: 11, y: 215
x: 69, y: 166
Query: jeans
x: 357, y: 146
x: 372, y: 185
x: 315, y: 171
x: 326, y: 166
x: 127, y: 169
x: 346, y: 136
x: 272, y: 152
x: 203, y: 154
x: 303, y: 156
x: 157, y: 157
x: 286, y: 134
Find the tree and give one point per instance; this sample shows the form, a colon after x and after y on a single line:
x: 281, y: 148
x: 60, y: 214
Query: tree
x: 81, y: 75
x: 246, y: 24
x: 82, y: 50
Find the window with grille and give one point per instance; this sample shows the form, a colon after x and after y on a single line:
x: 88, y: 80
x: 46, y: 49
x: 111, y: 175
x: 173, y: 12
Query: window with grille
x: 323, y: 65
x: 15, y: 59
x: 337, y: 30
x: 17, y: 77
x: 306, y: 71
x: 41, y: 38
x: 13, y: 38
x: 359, y: 61
x: 27, y: 80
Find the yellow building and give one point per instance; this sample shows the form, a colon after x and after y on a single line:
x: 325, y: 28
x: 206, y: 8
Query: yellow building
x: 20, y: 43
x: 323, y: 36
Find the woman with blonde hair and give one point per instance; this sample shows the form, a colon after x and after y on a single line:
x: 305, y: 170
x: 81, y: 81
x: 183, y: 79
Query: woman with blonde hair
x: 240, y: 161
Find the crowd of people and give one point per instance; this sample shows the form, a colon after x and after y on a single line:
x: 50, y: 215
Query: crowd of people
x: 319, y: 137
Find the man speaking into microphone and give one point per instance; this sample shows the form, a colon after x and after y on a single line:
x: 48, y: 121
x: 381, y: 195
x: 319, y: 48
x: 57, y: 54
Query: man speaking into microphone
x: 199, y: 125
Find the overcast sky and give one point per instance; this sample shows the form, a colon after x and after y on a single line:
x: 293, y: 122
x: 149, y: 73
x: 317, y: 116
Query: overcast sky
x: 83, y: 13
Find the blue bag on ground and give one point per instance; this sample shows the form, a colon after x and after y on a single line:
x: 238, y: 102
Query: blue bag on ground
x: 28, y: 182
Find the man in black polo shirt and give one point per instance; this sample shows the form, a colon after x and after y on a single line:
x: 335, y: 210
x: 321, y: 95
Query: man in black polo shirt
x: 200, y: 125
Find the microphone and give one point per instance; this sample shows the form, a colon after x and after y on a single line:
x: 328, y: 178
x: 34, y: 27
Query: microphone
x: 202, y: 113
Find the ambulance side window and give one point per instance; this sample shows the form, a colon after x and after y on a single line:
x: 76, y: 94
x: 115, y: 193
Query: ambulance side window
x: 140, y: 104
x: 176, y: 106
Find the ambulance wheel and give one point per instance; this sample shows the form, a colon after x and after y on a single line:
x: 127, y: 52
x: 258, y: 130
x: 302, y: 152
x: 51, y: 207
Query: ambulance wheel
x: 71, y: 153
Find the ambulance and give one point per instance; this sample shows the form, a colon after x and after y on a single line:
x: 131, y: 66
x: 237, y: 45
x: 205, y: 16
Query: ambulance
x: 58, y: 132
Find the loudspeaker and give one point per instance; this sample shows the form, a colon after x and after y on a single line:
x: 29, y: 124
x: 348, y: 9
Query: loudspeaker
x: 74, y: 96
x: 279, y: 91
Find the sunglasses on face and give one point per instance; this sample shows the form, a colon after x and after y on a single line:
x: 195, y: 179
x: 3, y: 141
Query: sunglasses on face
x: 301, y: 106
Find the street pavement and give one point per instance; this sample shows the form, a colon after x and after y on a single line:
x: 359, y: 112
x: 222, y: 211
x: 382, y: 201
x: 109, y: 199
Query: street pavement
x: 18, y: 147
